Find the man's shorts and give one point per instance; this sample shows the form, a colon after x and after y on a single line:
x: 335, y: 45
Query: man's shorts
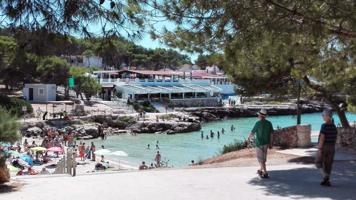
x: 261, y: 153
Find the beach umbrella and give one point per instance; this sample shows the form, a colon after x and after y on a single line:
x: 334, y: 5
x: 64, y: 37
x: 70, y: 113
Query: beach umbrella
x: 38, y: 149
x: 102, y: 152
x: 13, y: 153
x: 27, y: 159
x: 12, y: 168
x: 119, y: 153
x: 3, y: 144
x: 55, y: 149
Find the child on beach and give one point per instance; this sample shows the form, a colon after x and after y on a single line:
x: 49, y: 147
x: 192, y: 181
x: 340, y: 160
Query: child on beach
x: 81, y: 151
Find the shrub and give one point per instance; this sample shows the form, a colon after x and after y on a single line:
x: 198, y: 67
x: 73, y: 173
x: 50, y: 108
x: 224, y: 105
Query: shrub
x: 14, y: 105
x: 124, y: 121
x: 168, y: 116
x: 143, y: 106
x: 237, y: 145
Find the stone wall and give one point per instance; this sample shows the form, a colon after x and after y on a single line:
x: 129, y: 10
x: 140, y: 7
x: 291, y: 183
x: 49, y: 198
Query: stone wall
x: 346, y: 138
x: 294, y: 136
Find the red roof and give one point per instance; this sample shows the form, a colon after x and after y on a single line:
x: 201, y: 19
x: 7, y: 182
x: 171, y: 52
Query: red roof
x: 158, y: 73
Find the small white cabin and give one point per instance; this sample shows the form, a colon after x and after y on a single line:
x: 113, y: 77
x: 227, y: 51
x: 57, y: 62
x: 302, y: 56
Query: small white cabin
x: 38, y: 92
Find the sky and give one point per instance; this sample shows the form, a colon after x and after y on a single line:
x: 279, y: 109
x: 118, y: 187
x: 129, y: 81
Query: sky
x: 147, y: 42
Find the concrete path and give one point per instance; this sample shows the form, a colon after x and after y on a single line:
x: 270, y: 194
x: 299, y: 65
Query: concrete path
x: 286, y: 182
x: 311, y: 152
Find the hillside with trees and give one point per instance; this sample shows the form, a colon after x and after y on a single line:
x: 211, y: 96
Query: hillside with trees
x: 38, y: 56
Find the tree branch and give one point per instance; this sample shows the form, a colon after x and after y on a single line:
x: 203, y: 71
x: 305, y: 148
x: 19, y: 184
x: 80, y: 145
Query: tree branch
x: 339, y: 30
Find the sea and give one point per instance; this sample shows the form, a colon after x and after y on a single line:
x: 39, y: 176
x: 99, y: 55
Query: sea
x: 180, y: 149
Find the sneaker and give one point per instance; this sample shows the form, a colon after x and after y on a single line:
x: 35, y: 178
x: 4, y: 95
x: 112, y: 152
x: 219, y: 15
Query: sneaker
x: 259, y: 172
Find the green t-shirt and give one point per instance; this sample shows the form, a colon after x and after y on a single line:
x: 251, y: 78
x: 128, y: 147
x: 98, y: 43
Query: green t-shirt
x: 262, y: 130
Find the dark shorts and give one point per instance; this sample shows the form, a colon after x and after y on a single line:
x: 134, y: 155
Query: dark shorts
x: 261, y: 153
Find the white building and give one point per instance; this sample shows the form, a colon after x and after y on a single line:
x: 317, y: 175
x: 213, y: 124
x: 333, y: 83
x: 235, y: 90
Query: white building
x: 85, y: 61
x: 179, y: 88
x: 93, y: 61
x: 38, y: 92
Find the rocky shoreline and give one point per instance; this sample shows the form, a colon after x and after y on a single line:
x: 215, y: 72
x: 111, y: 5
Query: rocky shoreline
x: 87, y: 128
x: 183, y: 121
x: 209, y: 114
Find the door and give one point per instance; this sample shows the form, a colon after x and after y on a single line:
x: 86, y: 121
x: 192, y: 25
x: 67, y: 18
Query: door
x: 30, y: 94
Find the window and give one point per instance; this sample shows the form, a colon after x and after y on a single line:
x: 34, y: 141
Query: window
x: 41, y: 91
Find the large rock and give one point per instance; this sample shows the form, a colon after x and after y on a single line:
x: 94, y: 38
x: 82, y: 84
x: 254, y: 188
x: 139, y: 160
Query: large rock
x: 33, y: 131
x: 91, y: 130
x: 165, y: 127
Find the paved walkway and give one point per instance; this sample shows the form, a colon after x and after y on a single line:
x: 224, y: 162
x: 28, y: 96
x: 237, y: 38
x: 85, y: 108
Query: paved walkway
x: 286, y: 182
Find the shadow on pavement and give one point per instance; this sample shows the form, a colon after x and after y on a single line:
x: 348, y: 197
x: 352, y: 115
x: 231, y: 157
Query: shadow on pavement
x: 305, y: 183
x: 10, y: 187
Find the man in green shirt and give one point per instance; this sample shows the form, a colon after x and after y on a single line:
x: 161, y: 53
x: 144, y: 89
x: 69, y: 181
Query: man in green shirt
x: 262, y: 132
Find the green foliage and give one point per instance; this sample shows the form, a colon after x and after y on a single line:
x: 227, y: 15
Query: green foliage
x: 168, y: 116
x: 89, y: 86
x: 53, y: 69
x: 115, y: 16
x: 119, y: 52
x: 14, y: 105
x: 77, y: 71
x: 271, y: 45
x: 9, y: 127
x: 124, y: 121
x: 145, y: 106
x: 8, y: 48
x: 208, y: 60
x: 237, y: 145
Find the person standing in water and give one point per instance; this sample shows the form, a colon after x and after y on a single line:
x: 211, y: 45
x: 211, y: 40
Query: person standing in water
x: 218, y: 135
x: 202, y: 135
x: 326, y: 147
x: 262, y: 132
x: 211, y: 134
x: 223, y: 131
x: 158, y: 159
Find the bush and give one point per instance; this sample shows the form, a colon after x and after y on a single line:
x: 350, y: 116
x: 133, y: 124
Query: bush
x: 14, y: 105
x: 237, y: 145
x: 124, y: 121
x: 168, y: 116
x: 143, y: 106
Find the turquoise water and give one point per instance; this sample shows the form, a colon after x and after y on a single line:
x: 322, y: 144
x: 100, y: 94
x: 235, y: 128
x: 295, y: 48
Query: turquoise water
x: 180, y: 149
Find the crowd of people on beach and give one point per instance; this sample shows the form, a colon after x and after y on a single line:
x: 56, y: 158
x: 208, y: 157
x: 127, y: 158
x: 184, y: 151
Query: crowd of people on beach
x: 26, y: 155
x: 47, y: 150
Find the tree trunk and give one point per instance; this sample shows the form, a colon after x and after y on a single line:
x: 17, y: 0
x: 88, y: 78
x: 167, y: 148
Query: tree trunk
x: 342, y: 116
x: 4, y: 172
x: 331, y: 101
